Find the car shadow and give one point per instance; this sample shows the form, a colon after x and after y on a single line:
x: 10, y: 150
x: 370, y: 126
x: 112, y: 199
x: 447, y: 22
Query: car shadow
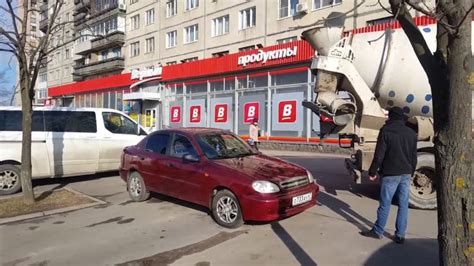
x: 156, y: 198
x: 417, y: 251
x: 72, y: 179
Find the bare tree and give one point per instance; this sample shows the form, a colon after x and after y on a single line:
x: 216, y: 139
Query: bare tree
x: 31, y: 53
x: 449, y: 74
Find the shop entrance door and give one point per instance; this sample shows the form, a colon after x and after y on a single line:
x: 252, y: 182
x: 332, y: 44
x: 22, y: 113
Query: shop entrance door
x: 150, y: 119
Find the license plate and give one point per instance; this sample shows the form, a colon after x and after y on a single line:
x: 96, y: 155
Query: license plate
x: 301, y: 199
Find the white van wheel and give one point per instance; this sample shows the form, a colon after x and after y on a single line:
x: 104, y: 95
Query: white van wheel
x: 10, y: 181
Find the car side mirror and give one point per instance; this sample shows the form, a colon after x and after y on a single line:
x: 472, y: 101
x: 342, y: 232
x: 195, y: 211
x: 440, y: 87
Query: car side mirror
x: 191, y: 158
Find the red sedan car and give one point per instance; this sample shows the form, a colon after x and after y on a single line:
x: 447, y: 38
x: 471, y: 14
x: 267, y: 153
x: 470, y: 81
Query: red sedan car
x: 217, y: 169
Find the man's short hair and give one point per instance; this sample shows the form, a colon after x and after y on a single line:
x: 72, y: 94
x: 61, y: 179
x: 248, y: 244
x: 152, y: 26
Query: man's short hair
x: 396, y: 113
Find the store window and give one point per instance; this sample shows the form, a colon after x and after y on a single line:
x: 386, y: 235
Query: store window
x: 247, y: 18
x: 171, y: 39
x: 191, y: 33
x: 105, y: 103
x: 113, y: 100
x: 289, y: 78
x: 93, y: 100
x: 196, y: 88
x: 171, y: 8
x: 100, y: 102
x: 150, y: 16
x: 191, y: 4
x: 220, y: 26
x: 120, y: 101
x: 324, y: 3
x: 287, y: 8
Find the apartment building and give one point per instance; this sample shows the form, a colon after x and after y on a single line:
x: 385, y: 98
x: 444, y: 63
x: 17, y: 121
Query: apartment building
x: 174, y: 63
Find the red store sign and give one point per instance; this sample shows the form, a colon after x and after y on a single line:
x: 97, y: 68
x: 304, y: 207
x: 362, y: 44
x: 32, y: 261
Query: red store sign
x: 287, y: 111
x: 195, y: 112
x: 175, y: 114
x: 251, y: 111
x: 220, y: 113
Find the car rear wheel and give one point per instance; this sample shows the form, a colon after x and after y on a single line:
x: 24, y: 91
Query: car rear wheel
x: 136, y: 187
x: 10, y: 181
x: 226, y: 209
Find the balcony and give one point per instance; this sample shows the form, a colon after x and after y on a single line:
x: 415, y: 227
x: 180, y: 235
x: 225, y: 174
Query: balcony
x: 116, y: 38
x: 104, y: 66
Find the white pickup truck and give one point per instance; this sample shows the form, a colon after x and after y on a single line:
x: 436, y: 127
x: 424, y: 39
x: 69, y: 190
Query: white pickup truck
x: 65, y: 142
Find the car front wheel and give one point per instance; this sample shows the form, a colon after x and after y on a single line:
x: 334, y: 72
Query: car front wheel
x: 226, y: 209
x: 136, y: 187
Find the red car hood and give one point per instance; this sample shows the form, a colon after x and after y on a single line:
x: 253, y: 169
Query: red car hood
x: 261, y: 167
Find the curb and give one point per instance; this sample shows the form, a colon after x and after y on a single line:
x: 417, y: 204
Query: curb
x: 56, y: 211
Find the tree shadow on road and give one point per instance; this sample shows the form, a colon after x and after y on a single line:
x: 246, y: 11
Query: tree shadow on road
x: 415, y: 251
x: 344, y: 210
x: 298, y: 252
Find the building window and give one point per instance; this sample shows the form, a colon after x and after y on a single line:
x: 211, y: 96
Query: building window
x: 134, y: 49
x: 220, y: 26
x: 101, y: 5
x: 191, y: 59
x: 171, y: 63
x: 287, y: 8
x: 150, y: 16
x: 287, y: 40
x: 219, y: 54
x: 67, y: 17
x: 247, y: 18
x: 117, y: 52
x: 43, y: 77
x: 191, y: 4
x: 104, y: 55
x: 133, y: 2
x: 171, y: 39
x: 171, y: 8
x: 380, y: 21
x: 324, y: 3
x: 191, y: 33
x: 104, y: 27
x: 66, y: 71
x: 150, y: 45
x: 135, y: 22
x: 68, y: 53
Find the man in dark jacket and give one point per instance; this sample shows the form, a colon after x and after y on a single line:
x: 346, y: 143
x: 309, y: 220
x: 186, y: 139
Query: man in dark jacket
x: 395, y: 161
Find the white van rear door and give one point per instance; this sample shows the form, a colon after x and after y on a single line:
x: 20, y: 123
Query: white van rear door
x: 118, y: 132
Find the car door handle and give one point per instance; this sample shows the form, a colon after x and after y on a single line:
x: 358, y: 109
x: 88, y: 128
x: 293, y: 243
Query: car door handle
x: 170, y: 165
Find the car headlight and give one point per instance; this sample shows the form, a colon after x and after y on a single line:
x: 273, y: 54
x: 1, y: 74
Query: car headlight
x: 265, y: 187
x: 310, y: 177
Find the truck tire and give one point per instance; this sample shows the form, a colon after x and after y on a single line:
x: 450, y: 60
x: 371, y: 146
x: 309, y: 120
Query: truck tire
x: 10, y: 182
x: 423, y: 186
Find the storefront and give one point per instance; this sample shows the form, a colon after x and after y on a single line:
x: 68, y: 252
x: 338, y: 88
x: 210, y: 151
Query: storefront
x: 227, y: 92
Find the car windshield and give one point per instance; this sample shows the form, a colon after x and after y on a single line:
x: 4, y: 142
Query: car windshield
x: 222, y: 146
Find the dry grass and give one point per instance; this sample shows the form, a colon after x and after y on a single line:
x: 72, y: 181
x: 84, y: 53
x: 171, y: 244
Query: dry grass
x: 46, y: 201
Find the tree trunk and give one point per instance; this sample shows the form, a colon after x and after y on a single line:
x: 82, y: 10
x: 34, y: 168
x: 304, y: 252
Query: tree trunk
x: 27, y: 111
x: 453, y: 143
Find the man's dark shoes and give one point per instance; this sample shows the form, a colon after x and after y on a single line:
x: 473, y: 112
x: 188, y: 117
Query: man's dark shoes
x: 371, y: 233
x: 399, y: 239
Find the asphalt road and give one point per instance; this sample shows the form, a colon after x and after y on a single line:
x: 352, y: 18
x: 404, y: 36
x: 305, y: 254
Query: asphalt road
x: 166, y: 231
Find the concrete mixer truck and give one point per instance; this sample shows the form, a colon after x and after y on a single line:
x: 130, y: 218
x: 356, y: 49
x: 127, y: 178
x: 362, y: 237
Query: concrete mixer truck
x: 362, y: 73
